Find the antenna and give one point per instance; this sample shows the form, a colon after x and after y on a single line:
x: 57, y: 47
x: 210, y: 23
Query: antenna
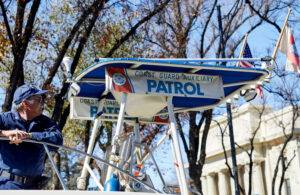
x: 66, y: 62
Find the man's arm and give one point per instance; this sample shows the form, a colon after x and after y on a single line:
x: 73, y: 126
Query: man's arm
x: 15, y: 136
x: 51, y: 134
x: 16, y: 132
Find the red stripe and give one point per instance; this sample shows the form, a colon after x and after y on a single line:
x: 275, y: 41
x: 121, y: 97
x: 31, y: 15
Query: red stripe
x: 291, y: 38
x: 294, y: 59
x: 292, y: 54
x: 259, y: 90
x: 245, y: 64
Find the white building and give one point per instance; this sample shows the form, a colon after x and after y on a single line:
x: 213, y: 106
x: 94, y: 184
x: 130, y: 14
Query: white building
x: 268, y: 142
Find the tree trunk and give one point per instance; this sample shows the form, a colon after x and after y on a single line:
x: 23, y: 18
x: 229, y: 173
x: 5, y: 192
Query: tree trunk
x: 196, y: 166
x: 19, y: 42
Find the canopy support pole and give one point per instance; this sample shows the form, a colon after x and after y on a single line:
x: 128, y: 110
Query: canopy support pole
x: 132, y: 150
x: 134, y: 142
x: 64, y: 186
x: 176, y: 150
x: 115, y: 141
x: 81, y: 181
x: 125, y: 151
x: 176, y: 165
x: 158, y: 170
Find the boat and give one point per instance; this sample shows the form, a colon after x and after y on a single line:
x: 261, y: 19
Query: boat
x: 115, y: 89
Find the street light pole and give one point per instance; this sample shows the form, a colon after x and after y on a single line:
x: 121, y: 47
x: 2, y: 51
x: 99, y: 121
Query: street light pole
x: 229, y: 113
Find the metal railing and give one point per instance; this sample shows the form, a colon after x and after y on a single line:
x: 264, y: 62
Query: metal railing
x: 45, y: 144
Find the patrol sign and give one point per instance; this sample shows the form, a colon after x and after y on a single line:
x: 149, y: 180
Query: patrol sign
x: 83, y: 108
x: 164, y: 83
x: 87, y: 108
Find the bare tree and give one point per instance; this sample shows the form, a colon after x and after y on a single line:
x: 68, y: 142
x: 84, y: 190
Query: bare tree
x: 173, y: 39
x: 289, y: 95
x: 19, y: 39
x: 247, y: 148
x: 223, y: 134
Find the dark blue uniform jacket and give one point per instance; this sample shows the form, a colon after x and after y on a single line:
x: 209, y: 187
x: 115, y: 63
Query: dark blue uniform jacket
x: 27, y: 159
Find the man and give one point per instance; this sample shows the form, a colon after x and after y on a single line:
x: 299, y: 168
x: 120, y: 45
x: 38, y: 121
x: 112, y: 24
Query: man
x: 22, y: 164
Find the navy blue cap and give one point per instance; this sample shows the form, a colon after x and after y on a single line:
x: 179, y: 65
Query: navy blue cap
x: 25, y: 91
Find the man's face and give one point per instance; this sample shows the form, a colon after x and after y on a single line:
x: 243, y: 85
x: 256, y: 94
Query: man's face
x: 35, y: 104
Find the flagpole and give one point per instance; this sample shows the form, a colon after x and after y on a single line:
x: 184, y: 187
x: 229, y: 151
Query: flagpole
x: 242, y: 48
x: 280, y: 36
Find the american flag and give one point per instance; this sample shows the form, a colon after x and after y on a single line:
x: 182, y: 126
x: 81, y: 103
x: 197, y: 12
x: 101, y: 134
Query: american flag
x: 246, y: 54
x: 246, y: 64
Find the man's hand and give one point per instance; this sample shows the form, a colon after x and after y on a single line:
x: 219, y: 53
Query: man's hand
x: 15, y: 136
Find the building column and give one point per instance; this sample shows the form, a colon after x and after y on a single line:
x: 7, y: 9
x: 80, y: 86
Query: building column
x: 240, y: 180
x: 204, y: 184
x: 246, y: 178
x: 258, y: 181
x: 223, y: 183
x: 211, y: 184
x: 269, y: 166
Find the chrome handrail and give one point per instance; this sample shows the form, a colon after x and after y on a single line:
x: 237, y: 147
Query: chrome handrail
x: 55, y: 168
x: 89, y: 155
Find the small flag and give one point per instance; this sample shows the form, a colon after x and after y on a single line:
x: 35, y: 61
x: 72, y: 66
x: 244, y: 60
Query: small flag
x: 288, y: 47
x: 246, y: 53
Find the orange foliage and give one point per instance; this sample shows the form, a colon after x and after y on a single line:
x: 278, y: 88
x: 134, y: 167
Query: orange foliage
x: 4, y: 42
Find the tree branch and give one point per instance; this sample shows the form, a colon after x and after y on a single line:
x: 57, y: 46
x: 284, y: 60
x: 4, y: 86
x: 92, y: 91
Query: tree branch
x: 29, y: 25
x: 261, y: 16
x: 68, y: 41
x: 225, y: 153
x: 186, y: 148
x: 201, y: 162
x: 19, y: 24
x: 281, y: 154
x: 8, y: 30
x: 193, y: 138
x: 205, y: 29
x: 135, y: 27
x: 59, y: 98
x: 283, y: 170
x: 231, y: 54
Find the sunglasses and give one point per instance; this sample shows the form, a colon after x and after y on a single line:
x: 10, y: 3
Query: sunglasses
x: 37, y: 98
